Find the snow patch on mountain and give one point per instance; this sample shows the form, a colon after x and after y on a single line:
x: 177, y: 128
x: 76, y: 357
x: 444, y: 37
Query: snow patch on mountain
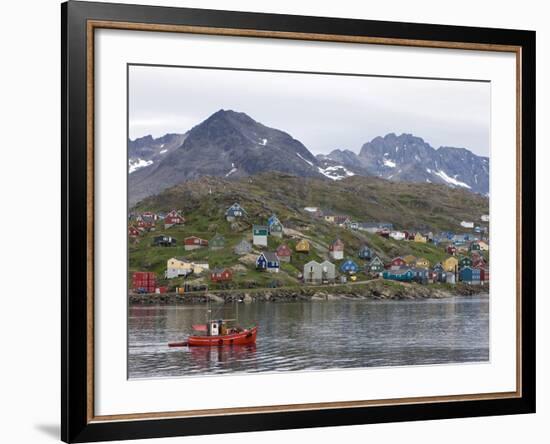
x: 136, y: 164
x: 337, y: 172
x: 389, y: 163
x: 305, y: 160
x: 451, y: 180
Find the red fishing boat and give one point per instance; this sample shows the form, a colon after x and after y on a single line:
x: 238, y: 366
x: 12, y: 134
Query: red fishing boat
x: 218, y: 333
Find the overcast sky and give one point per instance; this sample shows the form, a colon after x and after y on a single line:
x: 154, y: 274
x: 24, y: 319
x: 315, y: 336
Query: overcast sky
x: 324, y: 112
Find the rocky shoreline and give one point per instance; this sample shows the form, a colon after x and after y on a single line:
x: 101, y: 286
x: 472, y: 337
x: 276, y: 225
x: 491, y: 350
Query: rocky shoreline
x: 373, y: 290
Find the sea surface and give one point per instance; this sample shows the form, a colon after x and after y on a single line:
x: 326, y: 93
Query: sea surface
x: 312, y: 336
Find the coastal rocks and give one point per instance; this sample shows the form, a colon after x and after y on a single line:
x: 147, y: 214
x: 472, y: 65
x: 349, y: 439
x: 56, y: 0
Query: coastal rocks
x: 377, y: 289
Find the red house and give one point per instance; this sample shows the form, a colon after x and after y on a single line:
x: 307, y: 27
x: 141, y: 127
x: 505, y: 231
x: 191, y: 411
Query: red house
x: 283, y: 253
x: 145, y: 225
x: 451, y: 249
x: 478, y: 262
x: 221, y: 275
x: 483, y: 274
x: 148, y: 216
x: 173, y: 218
x: 133, y: 232
x: 397, y: 263
x: 194, y: 242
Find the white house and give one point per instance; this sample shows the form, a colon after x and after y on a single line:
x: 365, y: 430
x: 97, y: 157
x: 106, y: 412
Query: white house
x: 467, y: 224
x: 397, y: 235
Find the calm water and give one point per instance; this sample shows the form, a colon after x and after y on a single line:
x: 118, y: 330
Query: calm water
x: 313, y: 335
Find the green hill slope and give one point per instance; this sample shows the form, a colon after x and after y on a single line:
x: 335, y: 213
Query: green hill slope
x: 204, y: 201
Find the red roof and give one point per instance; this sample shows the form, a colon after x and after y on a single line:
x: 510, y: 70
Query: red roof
x: 283, y: 250
x: 194, y: 240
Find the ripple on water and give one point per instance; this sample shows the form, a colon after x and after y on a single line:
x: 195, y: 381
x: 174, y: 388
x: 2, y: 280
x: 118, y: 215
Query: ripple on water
x: 313, y: 336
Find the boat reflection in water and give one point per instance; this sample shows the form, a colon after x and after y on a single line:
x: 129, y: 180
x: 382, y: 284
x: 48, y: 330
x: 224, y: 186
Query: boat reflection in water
x: 209, y: 357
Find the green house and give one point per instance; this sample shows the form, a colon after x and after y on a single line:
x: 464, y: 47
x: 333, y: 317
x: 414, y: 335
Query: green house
x: 464, y: 262
x: 259, y: 235
x: 375, y: 265
x: 217, y: 242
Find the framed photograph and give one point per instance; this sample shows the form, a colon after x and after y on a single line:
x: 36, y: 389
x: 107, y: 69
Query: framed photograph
x: 275, y: 221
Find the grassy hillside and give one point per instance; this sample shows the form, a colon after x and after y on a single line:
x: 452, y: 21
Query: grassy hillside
x: 203, y: 202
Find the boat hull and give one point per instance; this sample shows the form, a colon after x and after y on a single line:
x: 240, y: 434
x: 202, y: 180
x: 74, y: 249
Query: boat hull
x: 245, y: 337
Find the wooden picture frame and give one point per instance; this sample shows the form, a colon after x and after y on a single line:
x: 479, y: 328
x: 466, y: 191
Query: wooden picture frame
x: 79, y: 22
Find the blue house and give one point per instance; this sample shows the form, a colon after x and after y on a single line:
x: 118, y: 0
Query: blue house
x: 272, y: 219
x: 470, y: 275
x: 403, y: 275
x: 420, y: 275
x: 234, y: 212
x: 268, y: 261
x: 349, y: 266
x: 365, y: 252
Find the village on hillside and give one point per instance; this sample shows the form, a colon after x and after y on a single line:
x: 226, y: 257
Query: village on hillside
x: 167, y: 256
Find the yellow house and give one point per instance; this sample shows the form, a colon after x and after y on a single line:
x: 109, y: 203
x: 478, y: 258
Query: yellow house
x: 419, y: 238
x: 409, y: 259
x: 199, y: 267
x: 179, y: 264
x: 450, y: 264
x: 483, y: 246
x: 179, y: 267
x: 302, y: 246
x: 422, y: 262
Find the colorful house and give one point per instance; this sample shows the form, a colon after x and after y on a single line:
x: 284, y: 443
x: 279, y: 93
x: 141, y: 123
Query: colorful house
x: 375, y: 265
x: 284, y: 253
x: 234, y: 212
x: 178, y: 266
x: 302, y: 246
x: 173, y: 218
x: 409, y: 259
x: 365, y: 252
x: 483, y: 246
x: 478, y: 262
x: 397, y: 235
x: 148, y: 216
x: 276, y: 228
x: 217, y: 242
x: 465, y: 261
x: 259, y: 235
x: 440, y: 273
x: 402, y: 275
x: 421, y: 275
x: 336, y: 250
x: 194, y: 242
x: 483, y: 274
x: 271, y: 219
x: 145, y: 225
x: 133, y: 232
x: 349, y: 267
x: 450, y: 264
x: 470, y: 275
x: 221, y: 275
x: 422, y: 262
x: 164, y: 241
x: 419, y: 237
x: 397, y: 262
x: 268, y: 261
x: 243, y: 247
x: 316, y: 273
x: 474, y: 246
